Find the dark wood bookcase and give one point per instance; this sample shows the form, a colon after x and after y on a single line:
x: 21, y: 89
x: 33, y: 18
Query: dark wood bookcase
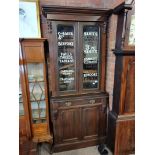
x: 77, y: 62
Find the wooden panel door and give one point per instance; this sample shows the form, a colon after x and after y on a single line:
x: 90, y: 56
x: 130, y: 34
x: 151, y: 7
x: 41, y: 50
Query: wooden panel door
x: 129, y: 106
x: 127, y: 100
x: 125, y: 137
x: 67, y: 125
x: 93, y: 121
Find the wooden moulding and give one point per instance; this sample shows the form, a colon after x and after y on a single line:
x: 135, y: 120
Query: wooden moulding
x: 74, y: 10
x: 32, y: 39
x: 124, y: 52
x: 79, y: 144
x: 75, y: 13
x: 122, y: 7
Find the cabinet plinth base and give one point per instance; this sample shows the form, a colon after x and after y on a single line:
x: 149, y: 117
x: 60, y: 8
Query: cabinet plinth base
x: 78, y: 144
x: 121, y: 134
x: 27, y: 147
x: 42, y: 138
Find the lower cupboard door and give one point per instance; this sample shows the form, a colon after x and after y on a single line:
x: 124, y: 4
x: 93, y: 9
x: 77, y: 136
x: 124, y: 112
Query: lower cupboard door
x: 67, y: 125
x: 93, y: 122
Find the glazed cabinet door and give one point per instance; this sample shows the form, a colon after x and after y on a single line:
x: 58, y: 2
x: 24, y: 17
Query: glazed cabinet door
x: 64, y: 56
x: 67, y: 125
x: 93, y: 121
x: 77, y: 58
x: 89, y: 56
x: 36, y: 84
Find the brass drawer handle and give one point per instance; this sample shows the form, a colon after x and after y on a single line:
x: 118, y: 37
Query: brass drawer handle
x: 68, y: 103
x: 92, y: 101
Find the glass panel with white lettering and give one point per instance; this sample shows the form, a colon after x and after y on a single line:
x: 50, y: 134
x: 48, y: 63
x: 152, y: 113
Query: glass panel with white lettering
x: 90, y: 57
x: 66, y: 57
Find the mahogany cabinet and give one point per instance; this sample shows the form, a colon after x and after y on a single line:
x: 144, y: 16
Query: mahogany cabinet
x: 35, y: 87
x: 26, y: 146
x: 121, y: 120
x: 77, y: 50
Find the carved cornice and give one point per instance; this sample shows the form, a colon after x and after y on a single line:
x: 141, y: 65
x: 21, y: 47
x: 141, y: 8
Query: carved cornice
x: 121, y: 8
x: 48, y: 9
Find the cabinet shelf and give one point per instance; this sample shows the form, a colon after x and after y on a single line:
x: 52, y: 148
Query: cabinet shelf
x: 85, y: 81
x: 37, y: 100
x: 36, y: 81
x: 89, y: 71
x: 40, y: 118
x: 38, y: 108
x: 66, y: 66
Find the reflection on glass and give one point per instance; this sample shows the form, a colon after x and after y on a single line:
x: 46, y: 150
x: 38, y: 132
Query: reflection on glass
x: 66, y: 57
x: 42, y: 112
x: 35, y: 72
x: 42, y: 105
x: 132, y: 31
x: 20, y: 98
x: 37, y: 92
x: 21, y: 107
x: 90, y: 56
x: 35, y: 113
x: 34, y: 105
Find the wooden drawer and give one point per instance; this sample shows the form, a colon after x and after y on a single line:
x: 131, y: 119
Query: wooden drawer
x: 68, y: 103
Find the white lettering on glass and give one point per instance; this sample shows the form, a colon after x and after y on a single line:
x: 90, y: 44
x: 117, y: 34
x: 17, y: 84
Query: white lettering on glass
x: 65, y: 44
x: 67, y: 80
x: 61, y: 35
x: 90, y: 34
x: 90, y: 75
x: 66, y: 58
